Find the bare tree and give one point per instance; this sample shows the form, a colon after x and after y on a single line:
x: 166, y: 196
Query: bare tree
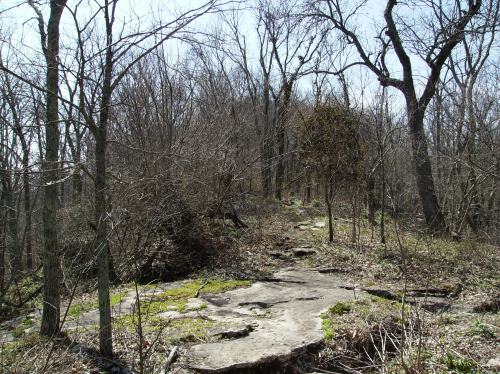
x: 465, y: 67
x: 294, y: 46
x: 120, y: 52
x: 434, y: 48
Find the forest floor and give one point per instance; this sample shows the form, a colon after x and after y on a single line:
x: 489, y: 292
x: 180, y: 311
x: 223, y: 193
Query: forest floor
x: 415, y: 304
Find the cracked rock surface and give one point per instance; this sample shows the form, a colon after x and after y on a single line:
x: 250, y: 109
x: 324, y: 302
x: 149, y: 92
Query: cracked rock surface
x: 284, y: 320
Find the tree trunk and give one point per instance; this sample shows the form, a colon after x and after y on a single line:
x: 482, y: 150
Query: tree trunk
x: 15, y: 250
x: 354, y: 206
x: 328, y: 200
x: 280, y: 165
x: 473, y: 215
x: 425, y: 183
x: 3, y: 232
x: 27, y: 210
x: 102, y: 248
x: 280, y: 136
x: 51, y: 258
x: 105, y: 332
x: 382, y: 212
x: 416, y: 108
x: 266, y: 144
x: 308, y: 186
x: 370, y: 199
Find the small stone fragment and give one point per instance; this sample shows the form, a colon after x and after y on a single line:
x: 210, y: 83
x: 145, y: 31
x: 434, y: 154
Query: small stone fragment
x: 300, y: 252
x: 493, y: 363
x: 231, y: 331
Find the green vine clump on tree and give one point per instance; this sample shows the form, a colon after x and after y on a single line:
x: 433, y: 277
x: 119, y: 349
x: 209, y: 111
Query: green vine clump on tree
x: 331, y: 145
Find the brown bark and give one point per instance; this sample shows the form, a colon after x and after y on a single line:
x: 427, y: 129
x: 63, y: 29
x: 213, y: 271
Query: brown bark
x: 329, y: 201
x: 10, y: 96
x: 266, y: 142
x: 370, y: 199
x: 280, y: 135
x: 51, y: 260
x: 423, y: 172
x: 101, y: 242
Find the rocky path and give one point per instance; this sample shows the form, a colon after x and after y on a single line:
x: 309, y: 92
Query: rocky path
x: 284, y: 319
x: 272, y: 326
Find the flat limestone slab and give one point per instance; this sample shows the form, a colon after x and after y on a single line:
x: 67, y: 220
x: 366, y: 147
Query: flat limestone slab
x: 286, y: 315
x: 126, y: 306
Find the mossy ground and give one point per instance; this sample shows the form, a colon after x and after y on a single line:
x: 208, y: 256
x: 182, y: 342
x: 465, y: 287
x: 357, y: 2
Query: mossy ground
x: 358, y: 314
x: 158, y: 334
x: 176, y: 299
x: 77, y: 309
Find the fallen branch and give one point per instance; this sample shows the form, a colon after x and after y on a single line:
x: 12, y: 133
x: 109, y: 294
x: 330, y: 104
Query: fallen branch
x: 171, y: 357
x: 199, y: 289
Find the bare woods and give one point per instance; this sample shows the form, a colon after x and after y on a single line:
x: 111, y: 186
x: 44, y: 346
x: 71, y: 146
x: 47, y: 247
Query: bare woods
x: 124, y: 135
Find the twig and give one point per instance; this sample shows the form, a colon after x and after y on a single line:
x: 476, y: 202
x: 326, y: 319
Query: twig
x: 116, y: 363
x: 199, y: 289
x: 203, y: 317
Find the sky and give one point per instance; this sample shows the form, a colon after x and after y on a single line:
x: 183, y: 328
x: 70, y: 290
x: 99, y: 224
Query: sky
x: 20, y: 20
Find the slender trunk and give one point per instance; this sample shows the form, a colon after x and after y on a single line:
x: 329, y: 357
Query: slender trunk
x: 266, y: 144
x: 77, y: 186
x: 370, y: 199
x: 266, y: 175
x: 51, y: 260
x: 102, y: 248
x: 101, y: 245
x: 15, y: 250
x: 437, y: 146
x: 382, y: 220
x: 328, y: 200
x: 280, y: 165
x: 280, y: 137
x: 3, y: 236
x: 27, y: 210
x: 308, y: 186
x: 76, y: 154
x: 354, y: 202
x: 473, y: 216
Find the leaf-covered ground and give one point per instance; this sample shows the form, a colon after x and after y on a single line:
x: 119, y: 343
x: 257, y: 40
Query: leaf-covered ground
x: 366, y: 335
